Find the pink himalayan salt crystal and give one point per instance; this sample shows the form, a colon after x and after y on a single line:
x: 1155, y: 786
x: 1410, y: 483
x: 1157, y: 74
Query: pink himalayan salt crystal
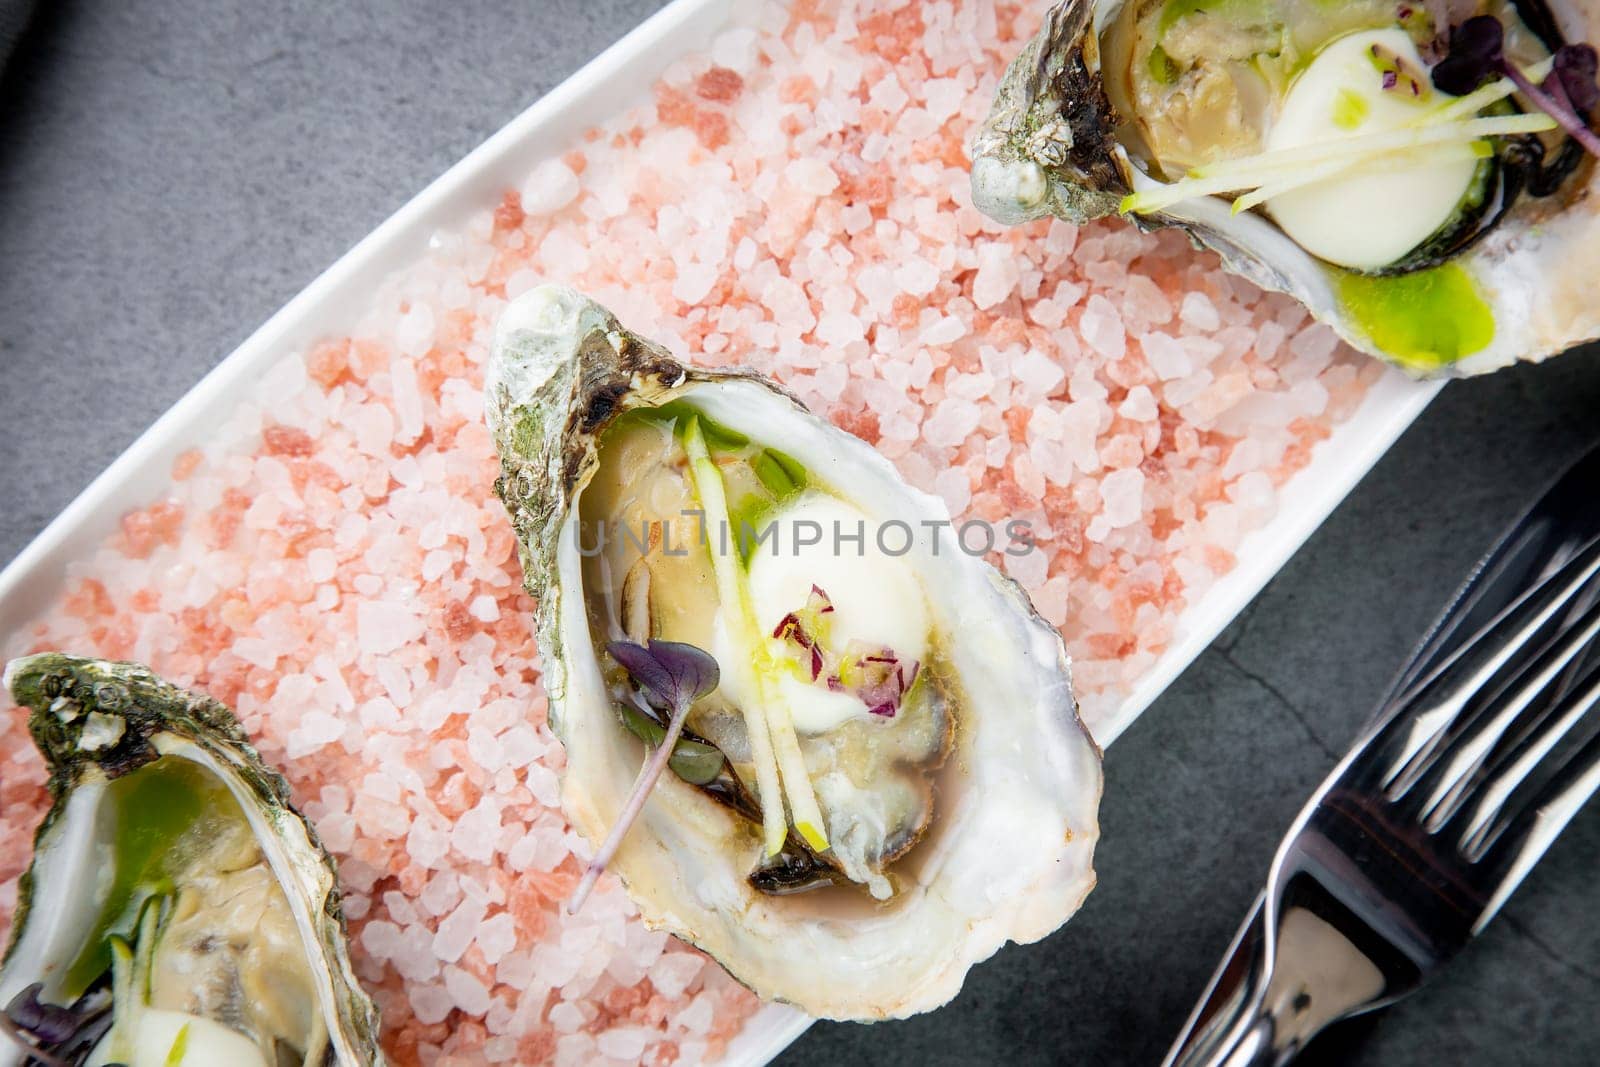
x: 341, y: 574
x: 414, y: 335
x: 1144, y: 302
x: 998, y: 274
x: 1102, y: 328
x: 1198, y: 312
x: 1168, y: 357
x: 383, y: 627
x: 551, y: 187
x: 1122, y: 497
x: 917, y: 277
x: 1139, y: 405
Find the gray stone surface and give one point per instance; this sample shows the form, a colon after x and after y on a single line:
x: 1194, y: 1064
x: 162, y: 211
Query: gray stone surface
x: 172, y: 171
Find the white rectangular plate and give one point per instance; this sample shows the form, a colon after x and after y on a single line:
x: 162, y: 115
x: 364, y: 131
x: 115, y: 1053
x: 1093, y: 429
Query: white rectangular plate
x: 619, y: 78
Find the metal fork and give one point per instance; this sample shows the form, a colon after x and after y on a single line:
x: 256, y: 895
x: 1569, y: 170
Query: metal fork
x: 1480, y: 757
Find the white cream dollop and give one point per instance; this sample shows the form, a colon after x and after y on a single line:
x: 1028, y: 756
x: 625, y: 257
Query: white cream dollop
x: 1372, y: 216
x: 877, y: 600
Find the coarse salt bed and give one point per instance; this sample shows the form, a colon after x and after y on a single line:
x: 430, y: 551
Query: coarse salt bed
x: 334, y: 564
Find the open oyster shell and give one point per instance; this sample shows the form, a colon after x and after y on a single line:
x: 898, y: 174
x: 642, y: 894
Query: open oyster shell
x: 176, y: 900
x: 997, y: 799
x: 1055, y: 143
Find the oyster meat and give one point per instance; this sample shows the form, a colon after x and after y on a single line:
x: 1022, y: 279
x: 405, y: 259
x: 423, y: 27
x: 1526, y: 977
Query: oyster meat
x: 178, y: 911
x: 890, y: 779
x: 1310, y: 146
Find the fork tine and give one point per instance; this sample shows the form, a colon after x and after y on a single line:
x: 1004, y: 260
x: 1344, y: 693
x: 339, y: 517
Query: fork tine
x: 1521, y: 745
x: 1518, y: 562
x: 1532, y: 762
x: 1514, y: 845
x: 1502, y: 714
x: 1560, y: 524
x: 1471, y: 670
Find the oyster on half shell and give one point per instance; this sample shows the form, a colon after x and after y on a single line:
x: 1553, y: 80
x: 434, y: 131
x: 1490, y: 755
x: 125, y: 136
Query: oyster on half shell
x: 178, y: 911
x: 890, y: 780
x: 1449, y: 240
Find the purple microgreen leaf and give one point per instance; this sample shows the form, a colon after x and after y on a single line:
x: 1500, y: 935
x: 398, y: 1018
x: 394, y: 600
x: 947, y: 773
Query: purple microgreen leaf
x: 1390, y: 79
x: 647, y: 672
x: 668, y: 673
x: 1476, y: 48
x: 50, y: 1023
x: 677, y: 674
x: 1573, y: 73
x: 694, y: 671
x: 52, y: 1034
x: 1477, y: 53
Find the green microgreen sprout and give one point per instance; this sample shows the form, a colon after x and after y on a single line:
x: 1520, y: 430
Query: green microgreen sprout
x: 671, y: 676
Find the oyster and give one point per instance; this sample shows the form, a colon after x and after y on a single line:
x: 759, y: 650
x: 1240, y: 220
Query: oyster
x: 1450, y: 235
x: 178, y: 911
x: 890, y: 779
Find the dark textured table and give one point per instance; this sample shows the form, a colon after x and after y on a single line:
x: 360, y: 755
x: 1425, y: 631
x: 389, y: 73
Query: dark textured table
x: 172, y: 171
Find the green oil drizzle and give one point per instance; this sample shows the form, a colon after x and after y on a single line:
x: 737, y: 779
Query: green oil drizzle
x: 1424, y: 320
x: 156, y: 820
x: 1349, y: 109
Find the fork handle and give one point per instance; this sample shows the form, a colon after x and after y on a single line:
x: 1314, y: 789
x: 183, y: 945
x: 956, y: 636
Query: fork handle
x: 1232, y: 1026
x: 1273, y: 994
